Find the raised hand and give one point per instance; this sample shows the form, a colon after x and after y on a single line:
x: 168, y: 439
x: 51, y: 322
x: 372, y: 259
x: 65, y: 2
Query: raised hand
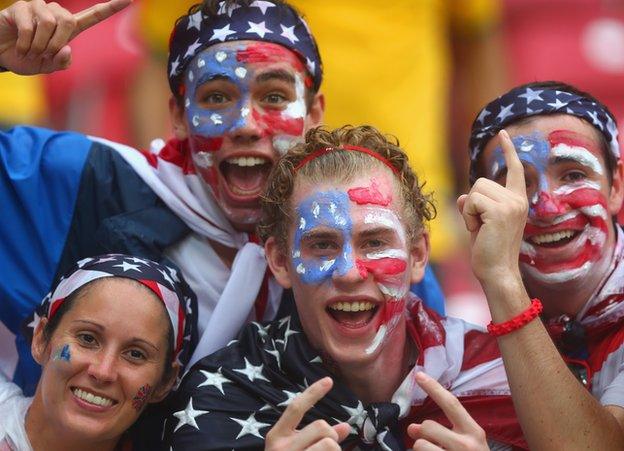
x: 495, y: 216
x: 315, y: 436
x: 429, y: 435
x: 34, y: 34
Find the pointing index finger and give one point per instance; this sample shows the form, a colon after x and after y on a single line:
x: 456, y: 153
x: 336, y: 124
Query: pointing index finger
x: 515, y: 170
x: 97, y: 13
x: 303, y: 402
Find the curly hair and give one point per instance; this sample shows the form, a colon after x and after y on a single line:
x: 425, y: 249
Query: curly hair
x: 339, y: 166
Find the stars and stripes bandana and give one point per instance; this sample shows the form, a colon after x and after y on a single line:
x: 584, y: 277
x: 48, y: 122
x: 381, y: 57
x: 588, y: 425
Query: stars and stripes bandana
x: 523, y: 102
x: 165, y: 282
x: 260, y: 21
x: 231, y: 399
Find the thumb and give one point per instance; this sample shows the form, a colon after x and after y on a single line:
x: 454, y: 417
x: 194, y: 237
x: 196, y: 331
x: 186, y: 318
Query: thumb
x: 343, y: 430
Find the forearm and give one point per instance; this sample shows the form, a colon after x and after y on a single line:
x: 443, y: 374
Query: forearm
x: 554, y: 409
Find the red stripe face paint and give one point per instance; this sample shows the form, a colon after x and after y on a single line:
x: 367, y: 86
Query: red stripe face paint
x: 369, y: 195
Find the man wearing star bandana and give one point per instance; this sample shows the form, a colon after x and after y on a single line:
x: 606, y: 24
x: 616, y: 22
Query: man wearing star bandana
x: 566, y: 372
x: 344, y: 222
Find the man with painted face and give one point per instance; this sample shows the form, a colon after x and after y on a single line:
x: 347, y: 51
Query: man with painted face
x: 344, y: 222
x: 245, y: 77
x: 566, y: 372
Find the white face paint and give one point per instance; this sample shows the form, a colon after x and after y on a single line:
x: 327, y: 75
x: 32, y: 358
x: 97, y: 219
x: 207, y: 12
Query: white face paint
x: 580, y: 155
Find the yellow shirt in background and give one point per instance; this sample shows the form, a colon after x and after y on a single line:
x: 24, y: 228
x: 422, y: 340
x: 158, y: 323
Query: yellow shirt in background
x: 387, y: 64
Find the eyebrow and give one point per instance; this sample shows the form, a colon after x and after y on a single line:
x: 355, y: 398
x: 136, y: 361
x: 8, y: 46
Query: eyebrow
x: 102, y: 328
x: 376, y: 231
x: 277, y: 74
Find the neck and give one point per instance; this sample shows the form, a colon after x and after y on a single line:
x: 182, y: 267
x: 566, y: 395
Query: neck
x: 569, y: 298
x: 47, y: 434
x: 378, y: 379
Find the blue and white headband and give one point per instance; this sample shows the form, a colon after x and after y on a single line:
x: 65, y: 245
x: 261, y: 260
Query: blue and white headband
x: 522, y: 102
x: 260, y: 21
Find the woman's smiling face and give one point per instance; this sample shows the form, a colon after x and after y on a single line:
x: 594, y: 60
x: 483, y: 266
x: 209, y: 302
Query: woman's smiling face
x: 99, y: 367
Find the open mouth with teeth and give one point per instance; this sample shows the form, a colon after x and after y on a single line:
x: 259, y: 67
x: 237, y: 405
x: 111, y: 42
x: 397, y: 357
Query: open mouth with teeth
x: 353, y: 315
x: 92, y: 399
x: 245, y: 176
x: 555, y: 239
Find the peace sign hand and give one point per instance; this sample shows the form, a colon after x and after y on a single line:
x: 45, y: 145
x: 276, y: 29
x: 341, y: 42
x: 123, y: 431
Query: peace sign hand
x: 34, y: 34
x: 495, y: 216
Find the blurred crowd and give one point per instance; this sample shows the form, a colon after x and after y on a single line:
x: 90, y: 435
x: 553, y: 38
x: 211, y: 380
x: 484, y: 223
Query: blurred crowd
x: 425, y: 68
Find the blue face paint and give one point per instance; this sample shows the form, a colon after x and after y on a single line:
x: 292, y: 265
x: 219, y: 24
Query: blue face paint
x: 212, y: 64
x: 62, y: 354
x: 329, y: 209
x: 533, y: 150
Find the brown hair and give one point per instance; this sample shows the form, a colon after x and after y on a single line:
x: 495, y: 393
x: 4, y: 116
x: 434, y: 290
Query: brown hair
x: 340, y: 166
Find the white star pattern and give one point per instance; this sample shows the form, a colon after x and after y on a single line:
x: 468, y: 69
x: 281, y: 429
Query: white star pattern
x: 166, y: 276
x: 311, y: 65
x: 173, y: 273
x: 505, y: 112
x: 484, y: 112
x: 228, y: 11
x: 106, y: 259
x: 262, y: 331
x: 188, y: 305
x: 35, y: 321
x: 357, y: 415
x: 252, y: 372
x: 259, y: 28
x: 275, y: 353
x: 289, y: 398
x: 594, y: 116
x: 127, y: 266
x: 214, y: 380
x: 263, y: 5
x: 84, y: 261
x: 138, y: 260
x: 221, y: 33
x: 251, y: 426
x: 289, y: 33
x: 557, y: 104
x: 531, y: 95
x: 195, y: 21
x: 192, y: 48
x: 188, y: 415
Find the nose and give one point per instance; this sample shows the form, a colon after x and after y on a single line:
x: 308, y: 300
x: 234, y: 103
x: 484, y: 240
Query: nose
x: 247, y: 128
x: 349, y: 270
x: 546, y: 205
x: 103, y: 368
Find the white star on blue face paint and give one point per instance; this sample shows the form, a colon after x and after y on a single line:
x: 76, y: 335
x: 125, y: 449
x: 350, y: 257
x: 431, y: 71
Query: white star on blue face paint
x: 289, y: 33
x: 250, y: 426
x: 221, y: 34
x: 252, y: 372
x: 531, y: 95
x: 188, y: 415
x: 259, y: 28
x: 505, y: 112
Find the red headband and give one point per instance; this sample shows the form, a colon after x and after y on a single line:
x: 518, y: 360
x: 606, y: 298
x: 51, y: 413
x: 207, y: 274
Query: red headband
x: 325, y: 150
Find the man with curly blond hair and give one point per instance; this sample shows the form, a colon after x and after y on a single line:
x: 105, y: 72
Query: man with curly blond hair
x: 361, y: 362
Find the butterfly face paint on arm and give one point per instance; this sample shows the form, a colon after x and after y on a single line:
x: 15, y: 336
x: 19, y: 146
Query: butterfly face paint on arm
x: 568, y: 222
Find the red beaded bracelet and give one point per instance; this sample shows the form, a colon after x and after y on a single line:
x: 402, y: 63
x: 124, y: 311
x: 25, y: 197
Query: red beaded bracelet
x: 518, y: 321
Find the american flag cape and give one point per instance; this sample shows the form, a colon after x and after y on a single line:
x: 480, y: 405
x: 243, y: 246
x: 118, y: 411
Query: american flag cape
x: 231, y: 399
x: 226, y: 297
x: 602, y: 322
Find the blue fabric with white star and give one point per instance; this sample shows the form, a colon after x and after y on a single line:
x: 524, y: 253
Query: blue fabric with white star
x: 232, y: 398
x: 524, y: 102
x: 260, y: 21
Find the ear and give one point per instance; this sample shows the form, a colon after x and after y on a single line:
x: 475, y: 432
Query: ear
x: 278, y: 262
x: 420, y: 257
x: 39, y: 345
x: 178, y: 119
x: 616, y: 194
x: 316, y: 113
x: 165, y: 387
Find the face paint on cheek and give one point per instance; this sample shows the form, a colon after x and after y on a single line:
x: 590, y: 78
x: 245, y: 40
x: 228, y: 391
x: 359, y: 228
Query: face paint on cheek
x: 326, y: 209
x: 141, y: 397
x: 62, y: 354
